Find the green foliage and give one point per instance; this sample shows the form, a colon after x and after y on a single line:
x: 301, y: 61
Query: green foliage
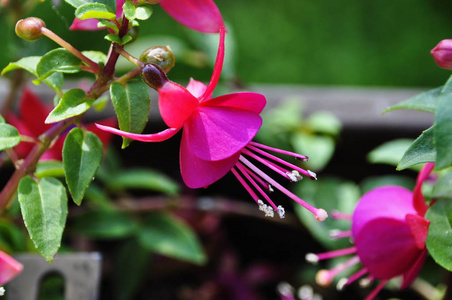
x: 49, y: 168
x: 426, y: 101
x: 95, y: 11
x: 329, y: 194
x: 390, y: 152
x: 44, y: 210
x: 73, y: 103
x: 143, y: 179
x: 9, y: 136
x: 82, y: 155
x: 101, y: 224
x: 132, y: 104
x: 439, y: 239
x: 443, y: 187
x: 164, y: 234
x: 131, y: 12
x: 443, y: 127
x: 58, y: 60
x: 421, y: 151
x: 77, y: 3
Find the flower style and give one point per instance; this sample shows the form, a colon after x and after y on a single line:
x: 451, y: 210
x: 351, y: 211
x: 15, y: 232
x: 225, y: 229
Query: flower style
x: 30, y: 122
x: 200, y: 15
x: 389, y: 231
x: 9, y: 268
x: 217, y: 134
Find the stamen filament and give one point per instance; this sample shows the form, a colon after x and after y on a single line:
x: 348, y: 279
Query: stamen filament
x: 245, y: 185
x: 267, y: 163
x: 338, y: 234
x: 320, y: 214
x: 332, y: 254
x: 351, y: 279
x: 325, y: 277
x: 374, y: 293
x: 296, y: 155
x: 337, y: 215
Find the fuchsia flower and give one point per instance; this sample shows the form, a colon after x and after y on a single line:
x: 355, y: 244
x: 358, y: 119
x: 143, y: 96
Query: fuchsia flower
x: 200, y: 15
x: 389, y: 231
x: 217, y: 134
x: 442, y: 54
x: 9, y: 268
x: 30, y: 122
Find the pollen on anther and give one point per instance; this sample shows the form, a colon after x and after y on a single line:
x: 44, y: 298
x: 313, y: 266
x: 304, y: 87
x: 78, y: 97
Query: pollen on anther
x: 312, y: 175
x: 294, y: 176
x: 312, y: 258
x: 341, y: 284
x: 281, y: 212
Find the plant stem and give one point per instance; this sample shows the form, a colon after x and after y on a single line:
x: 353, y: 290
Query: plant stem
x: 94, y: 67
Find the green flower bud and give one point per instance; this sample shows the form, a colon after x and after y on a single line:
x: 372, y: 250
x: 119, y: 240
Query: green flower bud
x: 154, y: 76
x: 30, y: 29
x: 162, y: 56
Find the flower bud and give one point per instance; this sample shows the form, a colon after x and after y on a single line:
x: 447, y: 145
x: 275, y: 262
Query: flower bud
x: 30, y: 29
x: 162, y: 56
x: 442, y: 54
x: 153, y: 75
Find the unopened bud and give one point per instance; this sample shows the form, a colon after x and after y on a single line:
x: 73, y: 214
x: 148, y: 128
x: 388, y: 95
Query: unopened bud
x: 442, y: 54
x: 154, y: 76
x: 30, y: 29
x: 162, y: 56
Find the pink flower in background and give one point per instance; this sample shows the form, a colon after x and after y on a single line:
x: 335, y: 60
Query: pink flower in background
x: 442, y: 54
x: 9, y: 268
x: 30, y: 122
x: 389, y: 231
x: 217, y: 134
x: 200, y: 15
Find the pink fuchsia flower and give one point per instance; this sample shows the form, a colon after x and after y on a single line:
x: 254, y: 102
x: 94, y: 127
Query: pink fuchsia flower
x: 9, y: 268
x: 389, y: 231
x: 442, y: 54
x: 200, y: 15
x: 217, y: 136
x: 30, y: 122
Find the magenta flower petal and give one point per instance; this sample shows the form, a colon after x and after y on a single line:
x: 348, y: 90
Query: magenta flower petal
x: 85, y: 25
x: 196, y: 88
x: 392, y: 202
x: 9, y: 268
x: 176, y: 104
x: 245, y: 101
x: 418, y: 198
x: 415, y: 269
x: 419, y: 228
x: 215, y: 133
x: 200, y: 15
x: 198, y: 173
x: 155, y: 137
x: 386, y: 247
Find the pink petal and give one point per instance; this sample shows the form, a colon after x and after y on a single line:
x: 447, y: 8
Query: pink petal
x: 252, y: 102
x: 216, y: 69
x: 415, y: 269
x: 418, y: 197
x: 419, y: 229
x: 386, y: 247
x: 198, y: 173
x: 154, y: 137
x: 176, y: 104
x: 9, y: 268
x: 216, y: 133
x: 201, y: 15
x: 85, y: 25
x: 196, y: 88
x: 392, y: 202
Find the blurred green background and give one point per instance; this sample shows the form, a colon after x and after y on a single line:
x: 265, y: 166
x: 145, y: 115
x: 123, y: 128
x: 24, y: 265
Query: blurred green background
x: 323, y: 42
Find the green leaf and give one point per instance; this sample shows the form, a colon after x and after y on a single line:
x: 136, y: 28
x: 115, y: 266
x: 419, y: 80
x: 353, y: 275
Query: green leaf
x: 103, y: 224
x: 82, y: 155
x: 9, y: 136
x: 421, y: 151
x: 443, y: 128
x: 324, y: 122
x: 96, y: 56
x: 143, y: 12
x: 164, y: 234
x: 44, y: 210
x: 143, y: 179
x: 95, y: 11
x: 390, y: 152
x: 2, y: 120
x: 330, y: 194
x: 439, y: 238
x: 73, y: 103
x: 132, y: 105
x: 107, y: 24
x: 58, y: 60
x: 319, y: 148
x: 113, y: 38
x: 426, y: 101
x: 129, y: 10
x: 54, y: 81
x: 78, y: 3
x: 125, y: 39
x: 49, y: 168
x: 443, y: 187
